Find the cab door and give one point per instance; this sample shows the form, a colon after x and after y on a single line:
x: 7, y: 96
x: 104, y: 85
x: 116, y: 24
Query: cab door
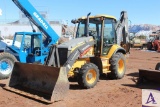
x: 108, y: 35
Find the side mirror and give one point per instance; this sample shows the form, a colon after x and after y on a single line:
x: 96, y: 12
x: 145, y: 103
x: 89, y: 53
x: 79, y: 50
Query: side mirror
x: 74, y: 21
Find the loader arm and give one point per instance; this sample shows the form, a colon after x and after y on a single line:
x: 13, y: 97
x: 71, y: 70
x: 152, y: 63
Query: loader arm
x: 33, y: 15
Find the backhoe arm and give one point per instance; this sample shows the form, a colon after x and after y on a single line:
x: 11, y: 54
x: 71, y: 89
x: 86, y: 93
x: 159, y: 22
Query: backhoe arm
x: 122, y: 30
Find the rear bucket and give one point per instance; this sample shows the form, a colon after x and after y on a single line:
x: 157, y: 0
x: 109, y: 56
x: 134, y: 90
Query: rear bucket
x: 43, y: 83
x: 148, y: 75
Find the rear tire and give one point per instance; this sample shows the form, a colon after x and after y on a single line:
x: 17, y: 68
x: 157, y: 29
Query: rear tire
x: 118, y: 66
x: 88, y: 75
x: 157, y: 66
x: 149, y: 46
x: 156, y: 48
x: 6, y: 64
x: 141, y: 47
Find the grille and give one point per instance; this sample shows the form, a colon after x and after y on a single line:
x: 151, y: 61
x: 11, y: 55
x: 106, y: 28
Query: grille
x: 62, y: 55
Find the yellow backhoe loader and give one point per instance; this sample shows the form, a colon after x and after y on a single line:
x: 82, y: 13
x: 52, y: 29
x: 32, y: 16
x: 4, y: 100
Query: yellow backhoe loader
x: 96, y: 49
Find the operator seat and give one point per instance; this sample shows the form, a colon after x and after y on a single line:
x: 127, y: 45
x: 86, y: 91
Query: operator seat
x: 36, y: 51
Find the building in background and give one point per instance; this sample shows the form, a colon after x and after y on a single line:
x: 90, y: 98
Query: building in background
x: 8, y: 28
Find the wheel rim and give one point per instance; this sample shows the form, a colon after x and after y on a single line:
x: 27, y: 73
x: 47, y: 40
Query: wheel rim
x: 6, y: 66
x: 91, y: 76
x: 120, y: 66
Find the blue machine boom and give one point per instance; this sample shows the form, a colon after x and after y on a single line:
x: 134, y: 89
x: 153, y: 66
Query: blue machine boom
x: 26, y: 7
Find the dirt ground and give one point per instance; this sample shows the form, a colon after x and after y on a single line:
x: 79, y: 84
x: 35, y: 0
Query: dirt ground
x: 107, y: 93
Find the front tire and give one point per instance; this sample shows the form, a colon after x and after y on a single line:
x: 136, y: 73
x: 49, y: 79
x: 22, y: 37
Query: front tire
x: 6, y: 64
x: 88, y: 75
x: 157, y: 66
x: 118, y: 66
x: 142, y: 47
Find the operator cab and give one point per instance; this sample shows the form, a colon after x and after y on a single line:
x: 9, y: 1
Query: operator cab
x: 101, y: 28
x: 27, y: 44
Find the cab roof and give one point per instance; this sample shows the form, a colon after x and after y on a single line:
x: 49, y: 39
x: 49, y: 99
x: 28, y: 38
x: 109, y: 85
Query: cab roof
x: 98, y: 16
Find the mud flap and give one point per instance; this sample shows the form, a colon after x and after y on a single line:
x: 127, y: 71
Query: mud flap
x: 148, y: 75
x: 44, y: 83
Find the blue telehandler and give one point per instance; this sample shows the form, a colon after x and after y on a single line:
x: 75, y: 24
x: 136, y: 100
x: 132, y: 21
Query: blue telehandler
x: 34, y: 46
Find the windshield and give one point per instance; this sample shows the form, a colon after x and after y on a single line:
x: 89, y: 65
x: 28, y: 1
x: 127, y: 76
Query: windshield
x: 18, y: 40
x: 81, y: 30
x: 94, y: 28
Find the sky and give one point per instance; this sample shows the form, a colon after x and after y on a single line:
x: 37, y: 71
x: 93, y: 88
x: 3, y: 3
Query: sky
x: 139, y: 11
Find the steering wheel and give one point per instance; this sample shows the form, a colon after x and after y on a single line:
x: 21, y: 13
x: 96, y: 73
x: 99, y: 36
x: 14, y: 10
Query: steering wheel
x: 36, y: 51
x: 105, y: 42
x: 92, y: 33
x: 26, y: 46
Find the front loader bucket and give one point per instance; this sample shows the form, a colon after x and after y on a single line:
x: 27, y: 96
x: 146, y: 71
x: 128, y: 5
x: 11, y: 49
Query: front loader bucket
x: 44, y: 83
x: 149, y: 75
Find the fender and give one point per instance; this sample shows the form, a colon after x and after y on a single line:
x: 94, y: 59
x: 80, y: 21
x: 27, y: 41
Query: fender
x: 114, y: 49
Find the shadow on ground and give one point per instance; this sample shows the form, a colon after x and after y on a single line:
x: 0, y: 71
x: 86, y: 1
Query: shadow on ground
x: 144, y: 85
x: 2, y: 85
x: 134, y: 74
x: 75, y: 86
